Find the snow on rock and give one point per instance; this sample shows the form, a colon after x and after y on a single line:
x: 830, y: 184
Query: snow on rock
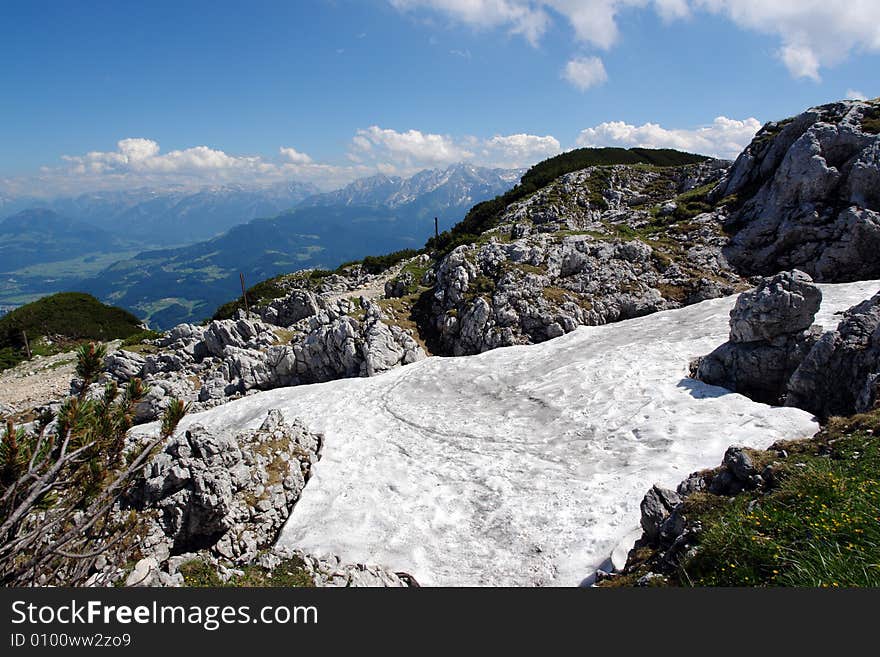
x: 523, y: 465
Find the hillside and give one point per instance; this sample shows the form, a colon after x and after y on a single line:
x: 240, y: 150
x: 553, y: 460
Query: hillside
x: 61, y: 320
x: 187, y: 284
x: 170, y: 216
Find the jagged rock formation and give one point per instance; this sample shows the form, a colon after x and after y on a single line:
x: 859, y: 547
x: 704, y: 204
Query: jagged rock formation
x: 809, y: 196
x: 207, y: 365
x: 840, y: 375
x: 596, y: 246
x: 230, y: 494
x: 775, y: 356
x: 769, y: 337
x: 222, y: 500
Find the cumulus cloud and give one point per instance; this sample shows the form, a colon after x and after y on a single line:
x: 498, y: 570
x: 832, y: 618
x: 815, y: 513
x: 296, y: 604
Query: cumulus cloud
x: 585, y: 72
x: 855, y: 94
x: 138, y: 155
x: 813, y: 33
x: 403, y: 153
x: 515, y: 151
x: 294, y: 155
x: 137, y: 161
x: 724, y: 138
x: 408, y: 150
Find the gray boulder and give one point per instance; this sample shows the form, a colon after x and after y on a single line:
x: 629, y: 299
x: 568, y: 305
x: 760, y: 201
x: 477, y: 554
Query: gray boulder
x: 782, y: 305
x: 656, y: 507
x: 295, y: 307
x: 840, y: 375
x: 768, y: 340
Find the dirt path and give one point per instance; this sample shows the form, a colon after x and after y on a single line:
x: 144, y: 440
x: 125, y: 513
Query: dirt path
x: 35, y: 382
x: 373, y: 290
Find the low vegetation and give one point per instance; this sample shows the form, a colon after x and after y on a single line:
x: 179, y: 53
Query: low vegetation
x: 871, y: 120
x: 261, y: 293
x: 378, y: 264
x: 485, y: 216
x: 67, y: 319
x: 290, y: 573
x: 60, y: 481
x: 817, y: 526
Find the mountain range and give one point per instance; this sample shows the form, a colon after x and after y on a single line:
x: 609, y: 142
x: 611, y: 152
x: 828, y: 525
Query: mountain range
x: 173, y: 256
x: 173, y: 216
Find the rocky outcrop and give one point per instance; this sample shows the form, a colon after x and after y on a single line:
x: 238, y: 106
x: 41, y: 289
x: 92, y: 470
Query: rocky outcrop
x: 809, y: 196
x: 841, y: 374
x: 593, y: 247
x: 669, y: 534
x: 770, y: 335
x: 220, y: 501
x: 228, y: 494
x: 775, y: 356
x: 208, y: 365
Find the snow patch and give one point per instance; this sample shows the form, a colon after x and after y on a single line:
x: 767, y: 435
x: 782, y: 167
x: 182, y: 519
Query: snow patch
x: 524, y: 465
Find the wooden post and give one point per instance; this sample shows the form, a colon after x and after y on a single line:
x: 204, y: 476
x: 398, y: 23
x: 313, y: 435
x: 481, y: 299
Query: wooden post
x: 436, y: 228
x: 27, y: 346
x: 247, y: 311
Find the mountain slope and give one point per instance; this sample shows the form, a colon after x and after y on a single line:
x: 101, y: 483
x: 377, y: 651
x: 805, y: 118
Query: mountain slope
x: 375, y: 215
x: 39, y: 236
x: 522, y: 465
x: 187, y: 284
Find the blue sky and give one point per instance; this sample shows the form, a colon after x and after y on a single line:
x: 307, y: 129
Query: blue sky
x: 114, y: 94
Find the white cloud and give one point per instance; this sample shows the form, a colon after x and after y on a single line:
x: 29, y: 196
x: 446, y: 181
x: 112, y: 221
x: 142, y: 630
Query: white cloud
x: 585, y: 72
x: 801, y: 62
x: 515, y: 151
x: 294, y: 155
x: 138, y: 155
x: 137, y: 161
x: 814, y: 34
x: 518, y: 16
x: 724, y: 138
x: 855, y: 94
x: 404, y: 153
x: 408, y: 150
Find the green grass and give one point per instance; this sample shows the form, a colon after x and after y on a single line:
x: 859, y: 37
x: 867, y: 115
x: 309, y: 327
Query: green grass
x: 820, y: 527
x: 871, y: 120
x: 138, y: 338
x: 290, y: 573
x: 485, y: 216
x: 378, y: 264
x: 259, y: 294
x: 69, y: 318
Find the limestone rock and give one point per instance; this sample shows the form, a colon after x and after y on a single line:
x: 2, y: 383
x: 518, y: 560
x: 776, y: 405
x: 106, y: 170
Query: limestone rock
x: 769, y: 338
x: 229, y: 494
x: 840, y: 375
x: 782, y: 305
x: 807, y: 191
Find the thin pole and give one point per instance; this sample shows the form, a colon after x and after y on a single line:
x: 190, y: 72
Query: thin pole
x: 247, y: 311
x: 27, y: 346
x: 436, y: 228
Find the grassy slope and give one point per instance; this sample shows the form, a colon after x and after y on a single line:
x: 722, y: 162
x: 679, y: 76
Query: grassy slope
x: 71, y: 315
x: 818, y: 526
x: 484, y: 216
